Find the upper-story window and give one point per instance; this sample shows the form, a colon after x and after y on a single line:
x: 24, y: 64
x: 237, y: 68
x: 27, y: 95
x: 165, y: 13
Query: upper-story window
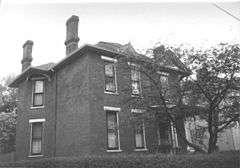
x: 136, y: 84
x: 110, y: 75
x: 38, y: 93
x: 164, y: 80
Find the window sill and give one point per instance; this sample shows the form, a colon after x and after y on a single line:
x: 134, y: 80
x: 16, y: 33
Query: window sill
x: 141, y: 150
x: 112, y: 93
x: 116, y: 150
x: 37, y: 107
x: 33, y: 156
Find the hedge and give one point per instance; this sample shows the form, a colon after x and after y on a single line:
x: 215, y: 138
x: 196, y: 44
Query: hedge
x: 217, y: 160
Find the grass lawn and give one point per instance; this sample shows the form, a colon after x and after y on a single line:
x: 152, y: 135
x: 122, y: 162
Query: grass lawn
x: 229, y: 159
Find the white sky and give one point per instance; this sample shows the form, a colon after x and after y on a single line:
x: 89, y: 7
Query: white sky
x: 143, y: 24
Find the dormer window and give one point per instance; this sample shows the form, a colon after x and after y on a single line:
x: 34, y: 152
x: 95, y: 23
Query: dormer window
x: 38, y: 93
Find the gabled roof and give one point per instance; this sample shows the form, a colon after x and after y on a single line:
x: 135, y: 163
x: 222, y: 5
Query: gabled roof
x: 104, y: 48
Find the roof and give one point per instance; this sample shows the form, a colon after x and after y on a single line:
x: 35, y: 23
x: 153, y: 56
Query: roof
x: 46, y: 67
x: 104, y: 48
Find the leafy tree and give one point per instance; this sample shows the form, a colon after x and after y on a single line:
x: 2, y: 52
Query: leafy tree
x: 7, y: 116
x: 215, y: 87
x: 211, y: 92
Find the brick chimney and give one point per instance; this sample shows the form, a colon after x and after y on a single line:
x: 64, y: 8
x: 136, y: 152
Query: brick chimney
x: 72, y: 38
x: 27, y: 54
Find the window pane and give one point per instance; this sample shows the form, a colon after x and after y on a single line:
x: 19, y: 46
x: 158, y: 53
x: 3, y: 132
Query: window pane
x: 38, y: 86
x: 110, y: 84
x: 139, y: 135
x: 38, y: 99
x: 112, y: 130
x: 112, y: 140
x: 37, y: 130
x: 36, y: 146
x: 135, y: 75
x: 164, y: 81
x: 139, y: 141
x: 36, y: 138
x: 135, y: 88
x: 112, y: 121
x: 109, y: 69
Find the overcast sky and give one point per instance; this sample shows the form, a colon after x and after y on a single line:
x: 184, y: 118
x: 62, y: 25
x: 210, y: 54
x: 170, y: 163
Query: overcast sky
x: 143, y: 24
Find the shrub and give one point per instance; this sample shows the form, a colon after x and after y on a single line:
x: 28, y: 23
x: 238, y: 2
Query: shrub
x: 217, y: 160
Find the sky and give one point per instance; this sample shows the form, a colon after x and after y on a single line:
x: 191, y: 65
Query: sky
x: 143, y: 23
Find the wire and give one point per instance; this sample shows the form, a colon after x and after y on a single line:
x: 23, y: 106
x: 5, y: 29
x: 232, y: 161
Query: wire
x: 225, y: 11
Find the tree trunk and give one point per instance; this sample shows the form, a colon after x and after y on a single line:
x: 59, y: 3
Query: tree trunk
x: 213, y: 132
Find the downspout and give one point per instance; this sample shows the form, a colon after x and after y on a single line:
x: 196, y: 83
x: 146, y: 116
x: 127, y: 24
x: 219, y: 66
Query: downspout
x: 55, y: 114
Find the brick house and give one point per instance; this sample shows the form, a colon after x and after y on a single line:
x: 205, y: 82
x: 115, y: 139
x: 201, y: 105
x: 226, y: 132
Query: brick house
x: 73, y: 108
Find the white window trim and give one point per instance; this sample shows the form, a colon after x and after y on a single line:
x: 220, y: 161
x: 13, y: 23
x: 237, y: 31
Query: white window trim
x: 137, y: 111
x: 117, y: 109
x: 115, y: 74
x: 37, y: 107
x: 114, y: 150
x: 141, y: 150
x: 111, y: 108
x: 42, y: 120
x: 37, y: 120
x: 112, y: 93
x: 140, y: 111
x: 108, y: 58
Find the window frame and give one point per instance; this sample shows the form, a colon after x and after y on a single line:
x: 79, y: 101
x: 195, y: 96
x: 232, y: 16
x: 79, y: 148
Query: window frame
x: 113, y: 61
x: 31, y: 122
x: 144, y: 148
x: 42, y: 93
x: 135, y: 81
x: 116, y: 110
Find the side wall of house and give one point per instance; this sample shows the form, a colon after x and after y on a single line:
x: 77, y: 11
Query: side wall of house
x: 25, y: 113
x: 72, y: 138
x: 99, y: 99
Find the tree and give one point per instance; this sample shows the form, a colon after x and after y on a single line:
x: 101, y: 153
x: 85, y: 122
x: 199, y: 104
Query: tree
x: 211, y: 92
x: 215, y: 87
x: 8, y: 114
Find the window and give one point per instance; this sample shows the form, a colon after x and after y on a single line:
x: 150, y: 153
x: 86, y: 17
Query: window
x: 38, y: 93
x: 36, y: 136
x: 113, y: 141
x: 139, y: 129
x: 110, y: 74
x: 136, y: 86
x: 164, y: 80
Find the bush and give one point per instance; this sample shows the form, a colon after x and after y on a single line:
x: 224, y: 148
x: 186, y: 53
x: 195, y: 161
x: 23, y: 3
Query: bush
x: 217, y: 160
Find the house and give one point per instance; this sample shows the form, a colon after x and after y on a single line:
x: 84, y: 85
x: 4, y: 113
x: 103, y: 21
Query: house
x: 74, y: 108
x: 196, y: 132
